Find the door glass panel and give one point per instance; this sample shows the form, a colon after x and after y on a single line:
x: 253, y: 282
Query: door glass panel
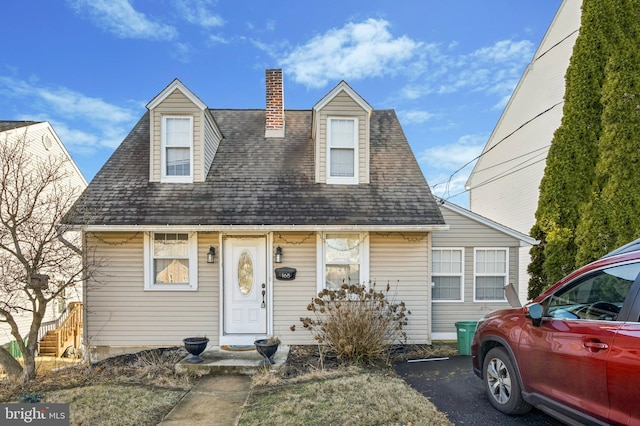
x: 245, y: 272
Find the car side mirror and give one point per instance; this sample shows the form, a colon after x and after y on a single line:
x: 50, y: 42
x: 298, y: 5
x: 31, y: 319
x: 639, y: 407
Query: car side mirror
x: 534, y: 312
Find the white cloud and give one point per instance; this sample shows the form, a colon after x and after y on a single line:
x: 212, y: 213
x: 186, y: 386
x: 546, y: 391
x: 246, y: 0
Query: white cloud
x: 76, y: 140
x: 415, y: 117
x: 444, y: 169
x: 181, y: 52
x: 198, y: 12
x: 83, y: 123
x: 217, y: 39
x: 492, y: 70
x: 505, y: 51
x: 452, y: 156
x: 355, y: 51
x: 452, y: 190
x: 120, y: 18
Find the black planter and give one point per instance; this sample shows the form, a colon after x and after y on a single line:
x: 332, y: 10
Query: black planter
x: 195, y: 346
x: 267, y: 350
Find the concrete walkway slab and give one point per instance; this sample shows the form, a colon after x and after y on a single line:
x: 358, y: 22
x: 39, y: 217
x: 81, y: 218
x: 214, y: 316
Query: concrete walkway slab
x: 214, y: 400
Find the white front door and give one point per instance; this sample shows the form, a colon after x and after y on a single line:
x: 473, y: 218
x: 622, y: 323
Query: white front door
x: 245, y: 292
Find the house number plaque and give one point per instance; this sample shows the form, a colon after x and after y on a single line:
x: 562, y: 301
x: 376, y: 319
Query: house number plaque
x: 285, y: 274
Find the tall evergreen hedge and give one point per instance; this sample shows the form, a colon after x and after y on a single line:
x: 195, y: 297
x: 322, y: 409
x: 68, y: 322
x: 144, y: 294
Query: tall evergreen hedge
x: 588, y: 204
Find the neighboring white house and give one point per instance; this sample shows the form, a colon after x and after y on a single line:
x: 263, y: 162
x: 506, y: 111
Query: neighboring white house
x: 42, y: 141
x: 504, y: 184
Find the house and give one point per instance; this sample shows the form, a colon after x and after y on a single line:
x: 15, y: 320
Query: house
x: 199, y: 210
x: 472, y: 262
x: 504, y: 184
x: 41, y: 142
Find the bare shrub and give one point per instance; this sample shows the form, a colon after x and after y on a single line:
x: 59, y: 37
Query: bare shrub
x: 357, y: 322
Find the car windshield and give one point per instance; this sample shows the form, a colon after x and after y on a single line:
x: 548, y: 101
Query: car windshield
x: 599, y: 295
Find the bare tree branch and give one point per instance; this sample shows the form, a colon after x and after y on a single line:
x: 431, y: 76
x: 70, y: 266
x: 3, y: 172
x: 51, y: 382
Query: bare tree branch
x: 36, y: 191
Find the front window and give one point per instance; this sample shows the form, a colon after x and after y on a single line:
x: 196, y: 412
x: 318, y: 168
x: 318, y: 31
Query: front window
x: 491, y: 272
x: 342, y: 150
x: 177, y: 146
x: 447, y: 274
x: 171, y: 261
x: 345, y: 259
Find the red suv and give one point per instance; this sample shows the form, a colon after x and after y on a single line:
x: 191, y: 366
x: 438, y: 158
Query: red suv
x: 574, y: 351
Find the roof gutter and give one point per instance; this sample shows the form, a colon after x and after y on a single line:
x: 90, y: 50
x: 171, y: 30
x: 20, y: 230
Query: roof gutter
x: 253, y: 228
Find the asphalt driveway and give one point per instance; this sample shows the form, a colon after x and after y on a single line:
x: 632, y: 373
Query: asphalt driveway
x: 455, y: 390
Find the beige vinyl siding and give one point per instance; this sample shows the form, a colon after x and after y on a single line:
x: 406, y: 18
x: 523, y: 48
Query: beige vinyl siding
x: 212, y: 137
x: 121, y: 313
x: 290, y: 298
x: 400, y: 260
x: 404, y: 261
x: 176, y: 104
x: 342, y: 105
x: 468, y: 234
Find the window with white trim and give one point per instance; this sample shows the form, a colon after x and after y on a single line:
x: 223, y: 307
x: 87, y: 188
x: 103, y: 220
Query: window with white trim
x: 447, y: 274
x: 491, y: 272
x: 171, y: 261
x: 177, y: 149
x: 342, y: 150
x: 344, y: 259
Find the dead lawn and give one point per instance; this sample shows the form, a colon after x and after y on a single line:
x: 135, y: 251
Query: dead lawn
x: 141, y: 389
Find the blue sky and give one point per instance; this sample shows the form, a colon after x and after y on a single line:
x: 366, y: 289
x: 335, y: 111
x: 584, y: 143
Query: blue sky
x: 447, y: 67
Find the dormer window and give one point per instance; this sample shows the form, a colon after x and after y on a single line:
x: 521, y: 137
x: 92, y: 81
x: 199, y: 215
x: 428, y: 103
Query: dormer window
x: 177, y: 149
x: 342, y: 150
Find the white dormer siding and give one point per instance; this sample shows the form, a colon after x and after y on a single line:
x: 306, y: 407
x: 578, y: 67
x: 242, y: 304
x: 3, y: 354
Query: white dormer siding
x: 342, y: 108
x: 176, y: 102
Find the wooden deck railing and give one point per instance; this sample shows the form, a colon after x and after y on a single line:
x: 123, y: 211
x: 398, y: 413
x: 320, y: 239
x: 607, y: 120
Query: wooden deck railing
x: 64, y: 331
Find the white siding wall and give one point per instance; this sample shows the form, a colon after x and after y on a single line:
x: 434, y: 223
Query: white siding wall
x: 504, y: 184
x: 120, y: 313
x: 469, y: 234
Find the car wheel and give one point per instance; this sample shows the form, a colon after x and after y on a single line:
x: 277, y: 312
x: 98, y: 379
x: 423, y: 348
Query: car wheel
x: 501, y: 383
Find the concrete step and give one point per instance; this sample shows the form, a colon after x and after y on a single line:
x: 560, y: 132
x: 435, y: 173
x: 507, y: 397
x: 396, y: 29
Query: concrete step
x: 217, y: 361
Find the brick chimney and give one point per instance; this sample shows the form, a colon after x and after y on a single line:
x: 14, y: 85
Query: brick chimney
x: 275, y: 105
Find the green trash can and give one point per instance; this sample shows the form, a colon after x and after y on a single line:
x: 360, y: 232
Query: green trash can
x: 465, y: 331
x: 14, y: 349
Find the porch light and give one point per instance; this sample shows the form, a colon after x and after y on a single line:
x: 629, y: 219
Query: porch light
x: 278, y: 254
x: 211, y: 256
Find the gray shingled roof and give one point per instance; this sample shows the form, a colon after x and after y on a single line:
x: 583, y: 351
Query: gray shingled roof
x: 258, y: 181
x: 14, y: 124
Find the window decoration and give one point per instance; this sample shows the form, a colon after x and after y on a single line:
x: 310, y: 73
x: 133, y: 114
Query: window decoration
x: 245, y: 272
x: 170, y: 261
x: 345, y: 259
